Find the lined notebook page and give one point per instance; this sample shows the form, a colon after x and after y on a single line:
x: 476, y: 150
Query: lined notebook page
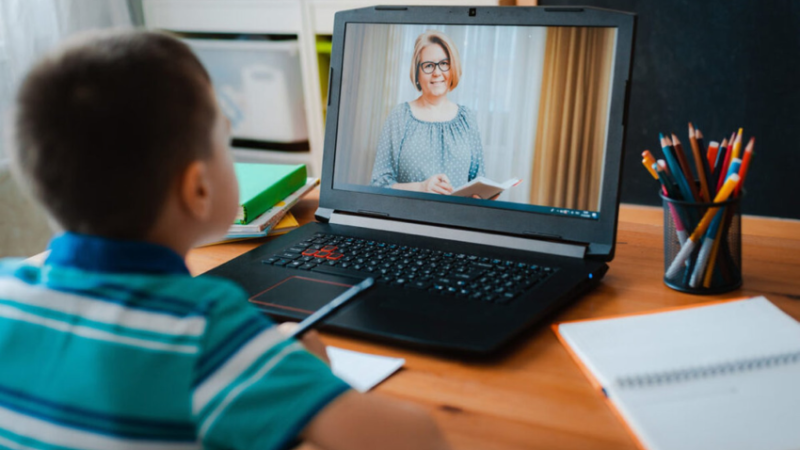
x: 720, y: 376
x: 724, y: 332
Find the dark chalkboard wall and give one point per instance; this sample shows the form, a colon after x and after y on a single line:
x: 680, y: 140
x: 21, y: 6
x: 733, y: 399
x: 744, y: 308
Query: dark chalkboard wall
x: 722, y: 64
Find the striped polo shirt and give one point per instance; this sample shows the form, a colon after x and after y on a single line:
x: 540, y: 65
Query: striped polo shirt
x: 114, y: 345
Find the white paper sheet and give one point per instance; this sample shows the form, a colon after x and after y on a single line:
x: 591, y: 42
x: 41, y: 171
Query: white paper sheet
x: 361, y: 370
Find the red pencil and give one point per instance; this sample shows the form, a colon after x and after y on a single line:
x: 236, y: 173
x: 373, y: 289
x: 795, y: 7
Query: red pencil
x: 748, y: 154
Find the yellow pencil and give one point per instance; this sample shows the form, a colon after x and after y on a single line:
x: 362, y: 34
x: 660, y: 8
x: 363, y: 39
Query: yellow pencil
x: 737, y: 145
x: 713, y: 259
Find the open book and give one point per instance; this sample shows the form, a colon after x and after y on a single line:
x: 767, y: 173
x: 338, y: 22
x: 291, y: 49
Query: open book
x: 724, y: 375
x: 484, y: 187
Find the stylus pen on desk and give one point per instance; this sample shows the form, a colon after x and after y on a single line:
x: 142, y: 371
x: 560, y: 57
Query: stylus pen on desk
x: 321, y: 314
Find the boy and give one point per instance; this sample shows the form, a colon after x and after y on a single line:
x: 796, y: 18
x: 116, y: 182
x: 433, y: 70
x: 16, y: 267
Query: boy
x: 112, y: 344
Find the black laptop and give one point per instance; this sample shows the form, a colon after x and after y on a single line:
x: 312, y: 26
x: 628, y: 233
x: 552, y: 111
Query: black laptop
x: 471, y: 167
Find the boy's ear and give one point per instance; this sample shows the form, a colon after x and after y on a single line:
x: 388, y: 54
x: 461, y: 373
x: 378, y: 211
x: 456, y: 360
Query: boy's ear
x: 195, y: 193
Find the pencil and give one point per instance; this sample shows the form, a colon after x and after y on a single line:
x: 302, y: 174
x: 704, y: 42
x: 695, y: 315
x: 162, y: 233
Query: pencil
x: 675, y: 169
x: 687, y: 170
x: 680, y: 229
x: 748, y: 153
x: 699, y: 135
x: 737, y: 146
x: 712, y: 262
x: 724, y: 169
x: 672, y: 187
x: 699, y: 164
x: 718, y: 163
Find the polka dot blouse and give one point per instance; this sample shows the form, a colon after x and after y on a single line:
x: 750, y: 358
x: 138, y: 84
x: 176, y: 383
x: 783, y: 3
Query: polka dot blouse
x: 412, y: 150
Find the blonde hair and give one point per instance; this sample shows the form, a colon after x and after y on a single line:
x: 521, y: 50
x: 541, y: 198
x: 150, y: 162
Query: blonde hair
x: 436, y: 37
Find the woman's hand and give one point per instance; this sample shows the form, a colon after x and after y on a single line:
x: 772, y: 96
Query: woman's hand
x: 490, y: 198
x: 437, y: 184
x: 310, y: 340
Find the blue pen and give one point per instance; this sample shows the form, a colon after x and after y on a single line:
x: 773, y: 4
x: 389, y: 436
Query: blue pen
x: 323, y: 313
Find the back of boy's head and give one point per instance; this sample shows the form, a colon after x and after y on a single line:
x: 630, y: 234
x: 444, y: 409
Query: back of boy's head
x: 106, y: 125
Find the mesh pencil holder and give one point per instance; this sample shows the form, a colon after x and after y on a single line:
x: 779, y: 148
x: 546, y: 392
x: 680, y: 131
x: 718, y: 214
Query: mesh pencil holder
x: 713, y: 263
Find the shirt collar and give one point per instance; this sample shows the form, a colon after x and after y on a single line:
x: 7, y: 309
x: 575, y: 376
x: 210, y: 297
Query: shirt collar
x: 100, y: 254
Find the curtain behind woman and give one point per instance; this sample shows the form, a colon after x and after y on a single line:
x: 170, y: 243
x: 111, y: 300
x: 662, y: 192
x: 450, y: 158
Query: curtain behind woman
x: 572, y: 125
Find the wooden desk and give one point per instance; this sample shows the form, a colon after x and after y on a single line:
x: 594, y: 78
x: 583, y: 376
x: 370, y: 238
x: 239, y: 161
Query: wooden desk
x: 535, y: 396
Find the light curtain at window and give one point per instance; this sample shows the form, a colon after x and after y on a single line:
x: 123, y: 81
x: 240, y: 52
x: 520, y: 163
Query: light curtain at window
x: 572, y: 125
x: 500, y: 83
x: 29, y: 28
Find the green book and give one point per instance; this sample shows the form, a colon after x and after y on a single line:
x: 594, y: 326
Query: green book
x: 262, y: 186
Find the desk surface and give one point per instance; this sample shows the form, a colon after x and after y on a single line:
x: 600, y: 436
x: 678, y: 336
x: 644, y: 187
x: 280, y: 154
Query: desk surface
x: 535, y: 396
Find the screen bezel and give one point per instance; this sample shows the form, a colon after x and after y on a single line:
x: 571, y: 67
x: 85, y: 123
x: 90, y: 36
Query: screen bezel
x: 598, y: 234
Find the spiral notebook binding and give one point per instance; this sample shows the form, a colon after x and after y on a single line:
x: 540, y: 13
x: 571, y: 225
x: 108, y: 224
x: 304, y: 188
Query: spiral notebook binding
x: 701, y: 372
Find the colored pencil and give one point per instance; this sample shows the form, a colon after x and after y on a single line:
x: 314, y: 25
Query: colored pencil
x: 699, y: 135
x: 676, y: 171
x: 748, y: 153
x: 700, y: 164
x: 687, y: 170
x: 712, y: 262
x: 737, y: 146
x: 726, y: 162
x: 718, y: 163
x: 674, y: 191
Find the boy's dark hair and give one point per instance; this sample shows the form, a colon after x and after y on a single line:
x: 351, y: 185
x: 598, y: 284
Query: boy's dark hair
x: 106, y: 124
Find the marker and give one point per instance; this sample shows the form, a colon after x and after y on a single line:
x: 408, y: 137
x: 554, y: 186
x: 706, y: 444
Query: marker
x: 691, y: 243
x: 332, y: 306
x: 711, y: 155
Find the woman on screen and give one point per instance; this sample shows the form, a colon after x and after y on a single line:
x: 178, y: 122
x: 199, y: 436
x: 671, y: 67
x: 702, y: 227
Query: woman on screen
x: 430, y: 144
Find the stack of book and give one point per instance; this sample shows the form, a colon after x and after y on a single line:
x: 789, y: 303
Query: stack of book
x: 266, y: 194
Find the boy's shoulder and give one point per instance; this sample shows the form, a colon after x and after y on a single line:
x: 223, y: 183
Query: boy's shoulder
x: 195, y: 294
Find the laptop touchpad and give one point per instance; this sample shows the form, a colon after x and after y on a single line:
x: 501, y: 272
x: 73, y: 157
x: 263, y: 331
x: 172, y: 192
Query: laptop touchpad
x: 300, y: 294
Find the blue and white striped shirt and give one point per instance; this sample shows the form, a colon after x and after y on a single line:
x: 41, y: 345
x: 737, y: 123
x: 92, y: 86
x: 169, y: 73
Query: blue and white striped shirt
x: 113, y: 345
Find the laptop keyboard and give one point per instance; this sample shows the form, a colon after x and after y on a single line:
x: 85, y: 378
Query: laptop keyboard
x: 452, y: 274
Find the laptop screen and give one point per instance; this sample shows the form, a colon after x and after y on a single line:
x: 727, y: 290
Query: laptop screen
x: 510, y: 117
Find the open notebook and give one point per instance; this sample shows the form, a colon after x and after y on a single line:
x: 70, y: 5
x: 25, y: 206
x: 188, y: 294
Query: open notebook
x: 719, y: 376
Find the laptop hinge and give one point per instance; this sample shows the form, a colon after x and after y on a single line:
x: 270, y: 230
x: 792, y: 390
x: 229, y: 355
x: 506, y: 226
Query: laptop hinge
x: 454, y: 234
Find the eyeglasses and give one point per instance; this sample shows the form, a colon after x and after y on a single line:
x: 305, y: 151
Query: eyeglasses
x: 429, y: 66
